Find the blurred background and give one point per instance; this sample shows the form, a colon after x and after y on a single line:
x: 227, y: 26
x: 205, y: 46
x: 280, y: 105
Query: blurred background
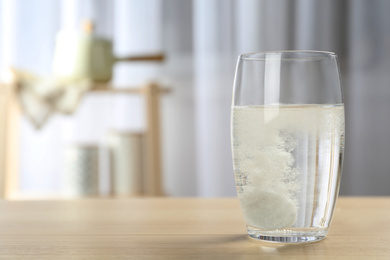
x: 201, y: 40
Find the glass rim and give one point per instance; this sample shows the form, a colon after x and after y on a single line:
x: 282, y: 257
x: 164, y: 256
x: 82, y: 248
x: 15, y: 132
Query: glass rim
x: 313, y: 55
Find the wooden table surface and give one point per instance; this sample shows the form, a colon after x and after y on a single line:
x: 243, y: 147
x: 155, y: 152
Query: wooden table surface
x: 177, y: 229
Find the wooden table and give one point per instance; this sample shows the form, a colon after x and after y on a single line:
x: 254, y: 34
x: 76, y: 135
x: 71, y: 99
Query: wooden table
x: 177, y: 229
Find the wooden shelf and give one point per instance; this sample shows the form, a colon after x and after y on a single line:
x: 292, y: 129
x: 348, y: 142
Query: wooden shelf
x: 124, y: 90
x: 9, y: 112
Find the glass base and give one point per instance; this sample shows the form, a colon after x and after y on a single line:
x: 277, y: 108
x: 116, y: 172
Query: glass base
x: 287, y: 236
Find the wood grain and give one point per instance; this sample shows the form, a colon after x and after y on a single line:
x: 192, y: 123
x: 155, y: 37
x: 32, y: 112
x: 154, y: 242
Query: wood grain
x: 3, y: 136
x: 11, y: 145
x: 153, y: 180
x: 166, y: 228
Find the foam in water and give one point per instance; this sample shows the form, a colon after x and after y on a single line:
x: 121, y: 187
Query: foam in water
x: 286, y: 160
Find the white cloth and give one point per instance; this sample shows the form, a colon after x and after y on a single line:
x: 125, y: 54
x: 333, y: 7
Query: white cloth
x: 40, y: 97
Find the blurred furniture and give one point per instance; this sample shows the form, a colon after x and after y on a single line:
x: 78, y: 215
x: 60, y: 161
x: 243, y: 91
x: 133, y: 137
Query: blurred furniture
x: 167, y: 228
x: 9, y: 140
x: 9, y: 135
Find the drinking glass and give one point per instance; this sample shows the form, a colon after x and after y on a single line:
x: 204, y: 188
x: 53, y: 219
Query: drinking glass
x: 287, y: 141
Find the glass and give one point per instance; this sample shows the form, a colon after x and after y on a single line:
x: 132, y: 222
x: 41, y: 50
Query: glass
x: 287, y: 143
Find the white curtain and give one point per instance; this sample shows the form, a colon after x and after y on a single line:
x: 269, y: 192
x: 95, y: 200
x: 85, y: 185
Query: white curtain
x: 214, y: 71
x: 202, y: 39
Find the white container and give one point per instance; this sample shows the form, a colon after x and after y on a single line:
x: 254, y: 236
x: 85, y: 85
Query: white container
x: 82, y: 55
x: 81, y: 170
x: 126, y: 162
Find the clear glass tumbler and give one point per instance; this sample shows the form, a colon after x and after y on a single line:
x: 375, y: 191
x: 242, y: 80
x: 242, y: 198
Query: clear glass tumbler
x: 287, y: 141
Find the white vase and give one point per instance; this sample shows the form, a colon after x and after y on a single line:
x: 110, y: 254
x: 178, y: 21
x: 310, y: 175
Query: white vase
x: 126, y: 162
x: 81, y: 170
